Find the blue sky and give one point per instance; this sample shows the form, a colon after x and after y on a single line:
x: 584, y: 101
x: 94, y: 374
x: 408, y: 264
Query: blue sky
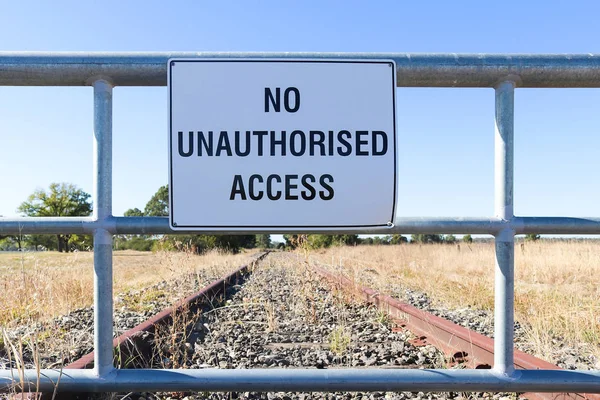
x: 446, y: 136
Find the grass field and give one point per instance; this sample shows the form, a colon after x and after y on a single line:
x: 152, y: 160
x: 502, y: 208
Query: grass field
x: 40, y: 285
x: 557, y: 284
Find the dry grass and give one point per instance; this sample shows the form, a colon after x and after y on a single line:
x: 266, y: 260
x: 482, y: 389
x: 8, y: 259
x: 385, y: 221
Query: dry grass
x: 557, y: 284
x: 41, y: 285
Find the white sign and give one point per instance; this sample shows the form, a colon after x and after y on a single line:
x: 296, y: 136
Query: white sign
x: 281, y: 144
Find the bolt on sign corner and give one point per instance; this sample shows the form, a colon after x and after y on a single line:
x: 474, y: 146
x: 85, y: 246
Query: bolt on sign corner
x: 281, y: 144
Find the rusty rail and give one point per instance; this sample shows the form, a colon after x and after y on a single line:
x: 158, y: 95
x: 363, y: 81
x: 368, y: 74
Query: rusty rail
x: 129, y: 339
x: 461, y: 345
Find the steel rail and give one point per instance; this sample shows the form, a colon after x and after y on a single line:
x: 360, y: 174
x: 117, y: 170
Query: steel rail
x: 125, y: 341
x: 457, y: 342
x: 413, y: 69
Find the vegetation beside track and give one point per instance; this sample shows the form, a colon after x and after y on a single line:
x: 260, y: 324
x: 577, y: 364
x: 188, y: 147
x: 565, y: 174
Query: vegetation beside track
x: 557, y: 283
x: 37, y: 286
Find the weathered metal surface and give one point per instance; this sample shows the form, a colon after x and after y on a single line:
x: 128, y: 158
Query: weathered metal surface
x: 309, y: 380
x: 413, y: 70
x: 402, y: 225
x: 128, y: 339
x: 103, y: 244
x: 457, y: 342
x: 504, y: 290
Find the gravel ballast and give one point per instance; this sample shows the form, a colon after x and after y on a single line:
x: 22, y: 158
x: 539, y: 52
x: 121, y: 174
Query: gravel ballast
x: 283, y: 316
x: 66, y: 338
x: 481, y: 321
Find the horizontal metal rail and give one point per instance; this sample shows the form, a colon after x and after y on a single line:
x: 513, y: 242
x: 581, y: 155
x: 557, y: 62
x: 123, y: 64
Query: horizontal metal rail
x: 403, y: 225
x: 312, y: 380
x: 413, y: 70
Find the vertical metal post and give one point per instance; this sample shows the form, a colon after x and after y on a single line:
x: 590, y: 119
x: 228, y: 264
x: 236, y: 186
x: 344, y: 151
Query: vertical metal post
x: 103, y: 290
x: 505, y: 240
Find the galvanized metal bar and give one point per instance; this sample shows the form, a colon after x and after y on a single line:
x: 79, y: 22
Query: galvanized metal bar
x: 504, y: 303
x: 403, y: 225
x: 275, y: 380
x: 483, y: 225
x: 103, y: 290
x: 47, y: 225
x: 103, y: 303
x: 556, y: 225
x: 504, y: 154
x: 413, y: 70
x: 102, y: 149
x: 504, y: 271
x: 160, y: 225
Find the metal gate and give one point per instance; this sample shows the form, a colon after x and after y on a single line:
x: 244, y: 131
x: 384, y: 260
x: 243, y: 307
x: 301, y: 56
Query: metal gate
x: 503, y: 73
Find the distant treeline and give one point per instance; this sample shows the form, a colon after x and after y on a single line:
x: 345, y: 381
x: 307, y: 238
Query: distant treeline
x: 322, y: 241
x: 63, y: 199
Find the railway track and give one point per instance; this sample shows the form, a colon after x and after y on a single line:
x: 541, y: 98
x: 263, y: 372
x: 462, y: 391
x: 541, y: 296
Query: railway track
x: 289, y: 314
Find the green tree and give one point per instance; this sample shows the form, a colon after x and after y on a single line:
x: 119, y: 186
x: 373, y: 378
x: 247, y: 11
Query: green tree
x: 134, y: 212
x: 398, y: 239
x: 244, y: 241
x: 47, y: 242
x: 450, y: 239
x: 61, y: 200
x: 291, y: 241
x: 426, y: 238
x: 378, y: 240
x: 199, y: 244
x: 138, y: 243
x: 532, y: 237
x: 263, y: 241
x: 319, y: 241
x: 158, y: 206
x: 345, y: 240
x: 11, y: 242
x: 467, y: 239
